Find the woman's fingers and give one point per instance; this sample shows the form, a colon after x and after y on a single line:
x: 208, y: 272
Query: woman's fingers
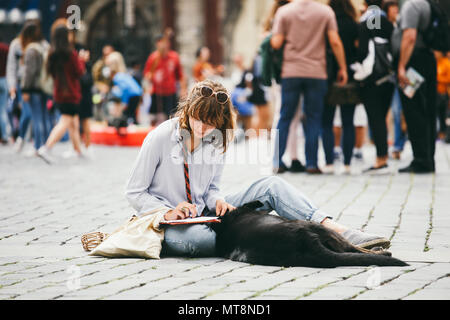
x: 223, y: 209
x: 189, y: 208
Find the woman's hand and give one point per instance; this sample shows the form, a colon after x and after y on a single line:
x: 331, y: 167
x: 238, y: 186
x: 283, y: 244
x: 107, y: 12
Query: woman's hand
x: 222, y: 207
x: 182, y: 211
x: 403, y: 80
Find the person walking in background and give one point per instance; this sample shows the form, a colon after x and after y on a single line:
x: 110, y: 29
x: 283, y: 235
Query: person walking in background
x: 163, y: 69
x: 86, y: 104
x: 443, y: 90
x: 375, y: 96
x: 390, y: 7
x: 303, y: 26
x: 32, y: 95
x: 202, y: 68
x: 348, y: 31
x: 420, y: 110
x: 292, y: 140
x: 4, y: 48
x: 13, y: 78
x: 66, y: 67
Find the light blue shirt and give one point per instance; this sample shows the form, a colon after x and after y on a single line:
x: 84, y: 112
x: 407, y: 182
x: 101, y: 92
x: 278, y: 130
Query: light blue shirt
x: 128, y: 86
x: 157, y: 178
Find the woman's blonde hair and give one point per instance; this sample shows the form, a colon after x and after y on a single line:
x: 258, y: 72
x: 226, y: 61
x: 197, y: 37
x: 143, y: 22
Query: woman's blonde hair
x: 115, y: 62
x: 209, y: 111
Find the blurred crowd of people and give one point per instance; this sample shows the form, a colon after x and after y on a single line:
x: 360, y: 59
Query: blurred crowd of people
x: 385, y: 69
x: 310, y: 53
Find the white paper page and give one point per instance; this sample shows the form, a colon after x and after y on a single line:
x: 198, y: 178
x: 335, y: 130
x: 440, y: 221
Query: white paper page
x: 191, y: 220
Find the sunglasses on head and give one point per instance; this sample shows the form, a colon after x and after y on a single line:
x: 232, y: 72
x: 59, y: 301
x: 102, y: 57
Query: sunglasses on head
x: 221, y: 96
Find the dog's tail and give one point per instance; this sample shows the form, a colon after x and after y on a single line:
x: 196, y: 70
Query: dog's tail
x: 362, y: 259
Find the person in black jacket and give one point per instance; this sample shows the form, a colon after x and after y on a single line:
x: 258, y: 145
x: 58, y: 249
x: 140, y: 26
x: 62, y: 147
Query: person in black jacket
x: 348, y: 31
x: 376, y: 98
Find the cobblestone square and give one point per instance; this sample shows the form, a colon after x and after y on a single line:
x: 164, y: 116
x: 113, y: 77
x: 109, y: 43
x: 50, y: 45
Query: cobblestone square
x: 45, y: 209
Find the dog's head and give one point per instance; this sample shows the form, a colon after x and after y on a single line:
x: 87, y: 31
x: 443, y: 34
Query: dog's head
x: 229, y: 215
x: 246, y: 207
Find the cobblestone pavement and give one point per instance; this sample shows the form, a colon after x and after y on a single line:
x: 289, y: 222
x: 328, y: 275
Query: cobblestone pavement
x: 45, y: 209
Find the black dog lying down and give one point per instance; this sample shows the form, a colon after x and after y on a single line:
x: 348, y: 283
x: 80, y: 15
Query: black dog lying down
x: 247, y: 235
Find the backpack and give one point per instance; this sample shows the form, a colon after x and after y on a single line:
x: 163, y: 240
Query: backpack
x: 45, y: 79
x: 377, y: 67
x: 437, y: 35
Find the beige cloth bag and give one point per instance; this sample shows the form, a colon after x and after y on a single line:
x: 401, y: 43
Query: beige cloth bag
x: 140, y: 237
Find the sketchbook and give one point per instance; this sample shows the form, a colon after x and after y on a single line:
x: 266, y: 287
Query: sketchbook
x: 191, y: 221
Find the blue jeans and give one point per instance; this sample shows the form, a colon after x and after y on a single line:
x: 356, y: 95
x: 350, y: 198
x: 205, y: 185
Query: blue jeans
x: 275, y: 193
x: 3, y: 102
x: 348, y: 128
x: 41, y: 119
x: 399, y: 135
x: 313, y: 91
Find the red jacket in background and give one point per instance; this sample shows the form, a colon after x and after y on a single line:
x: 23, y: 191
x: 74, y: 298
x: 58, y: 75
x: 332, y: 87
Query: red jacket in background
x: 3, y: 56
x: 74, y: 68
x: 165, y: 72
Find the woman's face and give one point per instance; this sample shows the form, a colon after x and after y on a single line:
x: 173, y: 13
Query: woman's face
x: 199, y: 128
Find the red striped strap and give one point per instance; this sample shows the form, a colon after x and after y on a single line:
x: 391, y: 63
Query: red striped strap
x: 186, y: 173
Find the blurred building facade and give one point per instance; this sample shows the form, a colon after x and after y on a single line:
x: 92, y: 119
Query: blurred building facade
x: 227, y: 27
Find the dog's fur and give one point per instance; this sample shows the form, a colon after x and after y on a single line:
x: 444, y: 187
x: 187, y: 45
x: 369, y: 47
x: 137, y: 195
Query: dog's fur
x: 255, y: 237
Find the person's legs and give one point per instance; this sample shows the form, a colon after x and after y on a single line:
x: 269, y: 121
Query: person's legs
x: 35, y: 105
x: 3, y: 103
x: 74, y: 132
x: 376, y: 102
x: 288, y: 202
x: 399, y: 135
x: 292, y: 140
x: 131, y: 109
x: 442, y: 102
x: 327, y: 133
x: 59, y: 130
x: 290, y: 95
x: 25, y: 118
x: 348, y: 130
x: 86, y: 127
x: 420, y: 113
x: 279, y: 195
x: 315, y: 90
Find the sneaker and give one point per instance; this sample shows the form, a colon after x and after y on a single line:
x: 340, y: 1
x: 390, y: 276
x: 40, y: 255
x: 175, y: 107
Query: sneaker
x: 328, y: 169
x: 347, y: 170
x: 44, y: 154
x: 297, y: 166
x: 365, y: 240
x: 18, y: 145
x: 384, y: 169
